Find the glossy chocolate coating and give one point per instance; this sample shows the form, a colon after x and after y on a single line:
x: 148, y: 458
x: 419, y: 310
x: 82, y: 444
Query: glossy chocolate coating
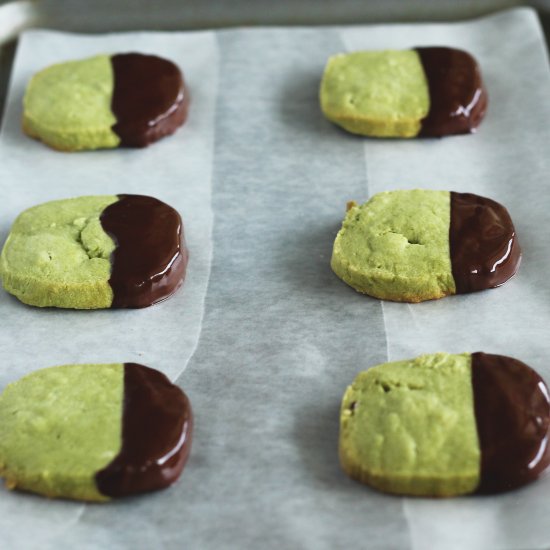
x: 157, y: 425
x: 512, y: 410
x: 149, y: 100
x: 484, y: 249
x: 150, y: 258
x: 458, y: 99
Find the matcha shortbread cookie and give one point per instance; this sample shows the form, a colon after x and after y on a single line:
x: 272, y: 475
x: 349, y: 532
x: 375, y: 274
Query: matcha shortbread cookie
x: 445, y: 425
x: 124, y: 100
x: 93, y: 432
x: 433, y: 91
x: 411, y: 246
x: 109, y: 251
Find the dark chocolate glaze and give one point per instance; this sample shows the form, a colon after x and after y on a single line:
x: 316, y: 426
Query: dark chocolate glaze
x: 150, y: 258
x: 512, y: 410
x: 150, y: 99
x: 484, y: 249
x: 458, y: 99
x: 157, y: 425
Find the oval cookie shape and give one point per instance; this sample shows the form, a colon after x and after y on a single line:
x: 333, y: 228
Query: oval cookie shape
x: 429, y: 91
x: 446, y: 425
x: 123, y: 100
x: 108, y: 251
x: 93, y: 432
x: 411, y: 246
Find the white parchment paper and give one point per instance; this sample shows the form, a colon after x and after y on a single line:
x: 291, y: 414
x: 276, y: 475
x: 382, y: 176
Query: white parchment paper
x: 273, y: 344
x: 179, y: 171
x: 508, y: 161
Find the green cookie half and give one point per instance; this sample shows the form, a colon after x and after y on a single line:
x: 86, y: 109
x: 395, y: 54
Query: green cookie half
x: 57, y: 254
x: 408, y: 427
x: 59, y: 427
x: 377, y: 93
x: 68, y: 105
x: 396, y: 246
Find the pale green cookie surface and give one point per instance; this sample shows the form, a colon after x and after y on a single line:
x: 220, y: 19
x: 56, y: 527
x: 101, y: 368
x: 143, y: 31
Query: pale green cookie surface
x: 396, y: 246
x: 68, y: 105
x: 376, y: 93
x: 58, y: 255
x: 408, y: 427
x: 59, y: 426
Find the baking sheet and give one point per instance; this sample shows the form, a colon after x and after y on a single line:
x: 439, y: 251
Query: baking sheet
x: 272, y: 345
